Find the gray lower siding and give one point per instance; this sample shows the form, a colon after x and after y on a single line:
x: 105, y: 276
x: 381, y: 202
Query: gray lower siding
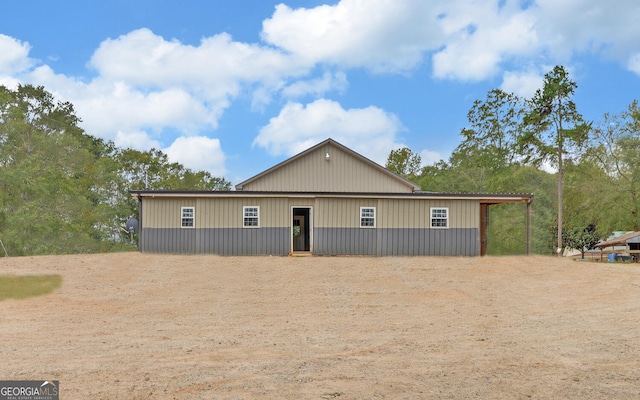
x: 397, y: 242
x: 326, y: 241
x: 226, y: 241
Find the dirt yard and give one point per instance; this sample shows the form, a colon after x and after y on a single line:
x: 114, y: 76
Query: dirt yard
x: 137, y: 326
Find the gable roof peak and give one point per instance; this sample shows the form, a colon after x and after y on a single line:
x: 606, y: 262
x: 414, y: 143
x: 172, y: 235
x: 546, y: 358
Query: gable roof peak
x: 329, y: 141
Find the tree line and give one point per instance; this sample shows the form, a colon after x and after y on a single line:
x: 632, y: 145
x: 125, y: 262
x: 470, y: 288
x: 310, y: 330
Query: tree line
x: 585, y: 176
x: 64, y: 191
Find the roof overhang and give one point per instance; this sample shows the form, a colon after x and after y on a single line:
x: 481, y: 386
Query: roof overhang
x: 632, y: 237
x: 480, y: 197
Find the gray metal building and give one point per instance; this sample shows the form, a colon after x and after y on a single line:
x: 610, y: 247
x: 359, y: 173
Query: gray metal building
x: 327, y: 200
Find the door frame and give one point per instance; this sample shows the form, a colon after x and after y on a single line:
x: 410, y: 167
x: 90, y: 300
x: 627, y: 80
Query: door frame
x: 309, y: 223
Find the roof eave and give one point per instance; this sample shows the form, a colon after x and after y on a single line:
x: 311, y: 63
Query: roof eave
x: 480, y: 197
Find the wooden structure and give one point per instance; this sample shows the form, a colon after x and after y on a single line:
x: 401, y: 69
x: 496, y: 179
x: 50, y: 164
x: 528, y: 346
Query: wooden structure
x: 327, y: 200
x: 627, y: 245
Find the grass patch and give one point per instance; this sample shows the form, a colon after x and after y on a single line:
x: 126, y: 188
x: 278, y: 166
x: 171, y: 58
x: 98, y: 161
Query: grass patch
x: 22, y: 287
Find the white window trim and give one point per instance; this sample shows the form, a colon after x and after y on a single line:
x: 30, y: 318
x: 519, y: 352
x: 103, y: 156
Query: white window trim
x: 244, y: 215
x: 374, y: 217
x: 431, y: 218
x: 193, y: 217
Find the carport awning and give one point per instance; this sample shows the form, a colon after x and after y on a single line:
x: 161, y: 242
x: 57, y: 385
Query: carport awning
x: 633, y: 237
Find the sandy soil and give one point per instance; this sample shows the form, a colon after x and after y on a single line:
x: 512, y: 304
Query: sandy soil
x: 137, y: 326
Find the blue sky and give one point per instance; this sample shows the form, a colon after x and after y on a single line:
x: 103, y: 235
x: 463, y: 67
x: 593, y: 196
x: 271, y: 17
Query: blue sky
x: 236, y: 86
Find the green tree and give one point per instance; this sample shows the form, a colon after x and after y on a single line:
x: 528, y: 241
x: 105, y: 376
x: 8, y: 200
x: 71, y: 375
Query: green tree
x: 493, y: 133
x: 404, y: 162
x: 581, y: 239
x: 436, y: 178
x: 63, y: 191
x: 487, y: 160
x: 153, y: 170
x: 553, y: 129
x: 507, y: 222
x: 615, y: 149
x: 506, y: 231
x: 488, y: 144
x: 587, y: 192
x: 46, y: 175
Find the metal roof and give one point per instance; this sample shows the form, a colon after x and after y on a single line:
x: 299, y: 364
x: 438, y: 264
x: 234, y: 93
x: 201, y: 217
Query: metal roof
x: 488, y: 198
x: 620, y: 240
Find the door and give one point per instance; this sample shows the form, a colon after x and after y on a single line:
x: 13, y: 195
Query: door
x: 298, y: 233
x: 301, y: 229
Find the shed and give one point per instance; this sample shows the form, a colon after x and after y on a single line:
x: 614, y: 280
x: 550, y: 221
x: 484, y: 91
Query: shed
x: 623, y: 245
x: 327, y: 200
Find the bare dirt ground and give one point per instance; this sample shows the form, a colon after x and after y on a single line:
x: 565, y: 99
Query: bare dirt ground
x: 138, y: 326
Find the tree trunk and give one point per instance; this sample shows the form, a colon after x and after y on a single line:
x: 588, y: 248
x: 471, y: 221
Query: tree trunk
x: 560, y: 207
x: 560, y: 177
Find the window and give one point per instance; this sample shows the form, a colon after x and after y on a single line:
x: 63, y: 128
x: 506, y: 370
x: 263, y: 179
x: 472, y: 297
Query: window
x: 367, y: 217
x: 439, y: 217
x: 187, y: 217
x: 251, y: 217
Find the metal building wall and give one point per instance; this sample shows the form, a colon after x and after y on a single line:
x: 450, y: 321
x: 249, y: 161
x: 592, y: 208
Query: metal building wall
x: 395, y: 212
x: 402, y: 226
x: 222, y: 241
x: 397, y: 241
x: 341, y: 173
x: 218, y: 227
x: 214, y: 212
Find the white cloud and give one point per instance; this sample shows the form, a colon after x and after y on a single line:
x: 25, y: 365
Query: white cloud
x: 139, y: 119
x: 429, y: 157
x: 123, y: 107
x: 523, y: 84
x: 109, y: 106
x: 634, y: 63
x: 381, y: 35
x: 571, y: 26
x: 370, y: 131
x: 9, y: 82
x: 139, y: 140
x: 467, y: 40
x: 14, y: 56
x: 198, y: 153
x: 318, y: 86
x: 481, y: 37
x: 148, y: 87
x: 186, y: 87
x: 215, y: 69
